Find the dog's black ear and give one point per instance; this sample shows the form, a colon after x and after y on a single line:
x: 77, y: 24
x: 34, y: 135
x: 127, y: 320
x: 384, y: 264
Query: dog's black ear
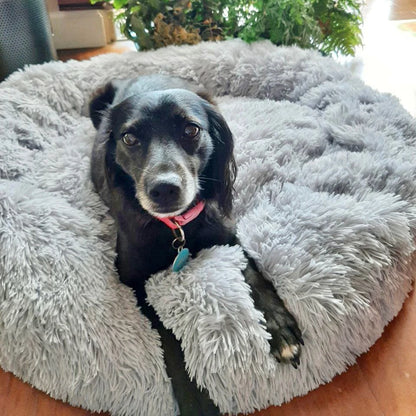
x: 205, y: 95
x: 219, y: 175
x: 101, y: 99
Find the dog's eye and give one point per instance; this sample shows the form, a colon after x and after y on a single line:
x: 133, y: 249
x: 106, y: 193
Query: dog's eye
x: 129, y: 139
x: 191, y: 131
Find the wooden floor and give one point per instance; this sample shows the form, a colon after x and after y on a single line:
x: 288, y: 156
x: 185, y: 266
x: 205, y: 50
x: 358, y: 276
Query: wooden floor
x: 382, y: 383
x: 81, y: 54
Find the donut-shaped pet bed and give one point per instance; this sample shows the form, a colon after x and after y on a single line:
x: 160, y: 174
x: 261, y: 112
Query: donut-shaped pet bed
x: 325, y: 204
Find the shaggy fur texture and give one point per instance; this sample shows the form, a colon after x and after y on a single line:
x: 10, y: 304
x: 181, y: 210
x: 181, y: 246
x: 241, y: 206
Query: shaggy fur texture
x: 326, y: 204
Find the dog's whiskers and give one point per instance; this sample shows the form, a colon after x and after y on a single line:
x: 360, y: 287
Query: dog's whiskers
x: 206, y: 178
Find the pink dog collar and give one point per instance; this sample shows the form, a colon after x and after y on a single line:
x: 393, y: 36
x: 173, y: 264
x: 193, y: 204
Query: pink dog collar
x: 180, y: 220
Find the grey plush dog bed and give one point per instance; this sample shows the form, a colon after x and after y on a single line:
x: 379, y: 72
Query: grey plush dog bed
x: 326, y: 204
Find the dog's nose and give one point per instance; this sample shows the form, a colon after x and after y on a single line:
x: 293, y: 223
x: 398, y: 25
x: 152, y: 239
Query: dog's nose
x: 164, y: 193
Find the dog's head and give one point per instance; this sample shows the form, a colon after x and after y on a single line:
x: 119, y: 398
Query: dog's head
x: 170, y: 141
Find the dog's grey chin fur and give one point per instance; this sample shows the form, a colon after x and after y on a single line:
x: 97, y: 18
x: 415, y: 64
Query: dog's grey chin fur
x: 153, y: 210
x: 167, y: 214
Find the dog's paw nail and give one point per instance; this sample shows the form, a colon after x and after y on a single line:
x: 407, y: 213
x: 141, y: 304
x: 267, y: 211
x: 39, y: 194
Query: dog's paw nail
x: 276, y: 356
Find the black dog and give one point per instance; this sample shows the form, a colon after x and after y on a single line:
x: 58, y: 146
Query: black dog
x: 163, y: 150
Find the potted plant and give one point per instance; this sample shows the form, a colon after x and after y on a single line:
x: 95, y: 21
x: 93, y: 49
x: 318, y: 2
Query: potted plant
x: 331, y: 26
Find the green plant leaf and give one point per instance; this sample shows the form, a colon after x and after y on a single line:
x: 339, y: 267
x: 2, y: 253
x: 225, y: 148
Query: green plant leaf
x: 327, y: 25
x: 118, y: 4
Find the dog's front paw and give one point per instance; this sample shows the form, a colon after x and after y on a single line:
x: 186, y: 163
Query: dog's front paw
x: 286, y: 341
x: 286, y: 337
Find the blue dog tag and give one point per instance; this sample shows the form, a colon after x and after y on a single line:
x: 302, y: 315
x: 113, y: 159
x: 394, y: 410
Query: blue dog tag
x: 180, y: 260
